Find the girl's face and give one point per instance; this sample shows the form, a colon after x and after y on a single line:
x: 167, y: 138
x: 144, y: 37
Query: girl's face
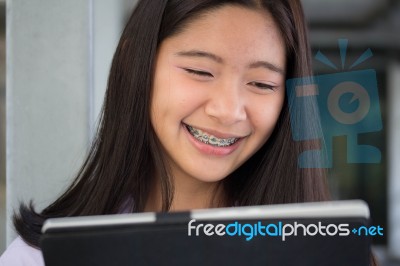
x: 218, y: 92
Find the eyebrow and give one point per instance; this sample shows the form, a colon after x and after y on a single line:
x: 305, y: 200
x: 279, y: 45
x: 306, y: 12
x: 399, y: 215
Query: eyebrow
x: 198, y: 53
x: 267, y: 65
x: 216, y: 58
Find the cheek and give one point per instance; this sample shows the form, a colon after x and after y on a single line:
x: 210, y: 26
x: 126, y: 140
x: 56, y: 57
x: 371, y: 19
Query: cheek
x: 186, y: 95
x: 173, y: 99
x: 265, y: 115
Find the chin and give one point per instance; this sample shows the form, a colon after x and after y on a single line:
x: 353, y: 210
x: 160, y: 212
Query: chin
x: 211, y: 176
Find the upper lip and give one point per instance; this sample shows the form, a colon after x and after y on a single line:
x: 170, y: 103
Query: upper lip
x: 215, y: 133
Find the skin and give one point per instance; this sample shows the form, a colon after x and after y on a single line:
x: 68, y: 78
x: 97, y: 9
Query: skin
x: 224, y: 74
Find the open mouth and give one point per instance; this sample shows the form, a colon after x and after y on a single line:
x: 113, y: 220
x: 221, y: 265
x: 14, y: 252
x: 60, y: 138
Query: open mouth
x: 210, y: 139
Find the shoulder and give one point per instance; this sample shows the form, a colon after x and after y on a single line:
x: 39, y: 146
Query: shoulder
x: 20, y: 254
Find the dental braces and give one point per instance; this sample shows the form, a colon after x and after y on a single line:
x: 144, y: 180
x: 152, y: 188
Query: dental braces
x: 212, y: 140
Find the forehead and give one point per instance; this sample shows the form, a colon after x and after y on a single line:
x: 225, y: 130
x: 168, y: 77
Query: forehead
x: 233, y: 31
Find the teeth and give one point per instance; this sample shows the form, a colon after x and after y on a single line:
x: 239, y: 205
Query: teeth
x: 210, y: 139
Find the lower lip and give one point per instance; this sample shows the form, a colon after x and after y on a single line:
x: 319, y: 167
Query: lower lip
x: 211, y: 150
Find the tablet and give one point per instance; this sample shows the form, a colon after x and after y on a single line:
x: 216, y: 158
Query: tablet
x: 324, y: 233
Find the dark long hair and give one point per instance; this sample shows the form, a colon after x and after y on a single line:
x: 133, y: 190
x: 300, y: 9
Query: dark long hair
x: 125, y: 154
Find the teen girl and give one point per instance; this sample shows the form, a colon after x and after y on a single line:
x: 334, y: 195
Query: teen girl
x: 195, y: 116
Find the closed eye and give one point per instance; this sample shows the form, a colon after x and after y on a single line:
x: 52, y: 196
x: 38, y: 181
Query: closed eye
x: 198, y: 72
x: 263, y: 86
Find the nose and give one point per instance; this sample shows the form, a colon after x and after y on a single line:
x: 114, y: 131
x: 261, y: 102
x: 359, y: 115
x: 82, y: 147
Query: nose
x: 226, y: 104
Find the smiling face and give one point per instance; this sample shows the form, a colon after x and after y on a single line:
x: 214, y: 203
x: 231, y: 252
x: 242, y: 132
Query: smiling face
x: 218, y: 91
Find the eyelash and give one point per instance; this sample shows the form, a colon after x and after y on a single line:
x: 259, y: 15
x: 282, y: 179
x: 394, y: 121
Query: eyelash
x: 198, y: 72
x: 259, y: 85
x: 263, y: 86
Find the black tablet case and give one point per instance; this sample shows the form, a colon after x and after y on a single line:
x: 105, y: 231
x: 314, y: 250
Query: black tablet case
x: 166, y: 242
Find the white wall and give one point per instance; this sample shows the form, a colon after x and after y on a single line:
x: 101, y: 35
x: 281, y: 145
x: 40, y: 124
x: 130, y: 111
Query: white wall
x: 393, y: 97
x: 58, y: 56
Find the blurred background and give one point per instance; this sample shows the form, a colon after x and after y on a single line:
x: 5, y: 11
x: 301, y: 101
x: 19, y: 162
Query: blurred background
x: 2, y: 125
x: 58, y: 55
